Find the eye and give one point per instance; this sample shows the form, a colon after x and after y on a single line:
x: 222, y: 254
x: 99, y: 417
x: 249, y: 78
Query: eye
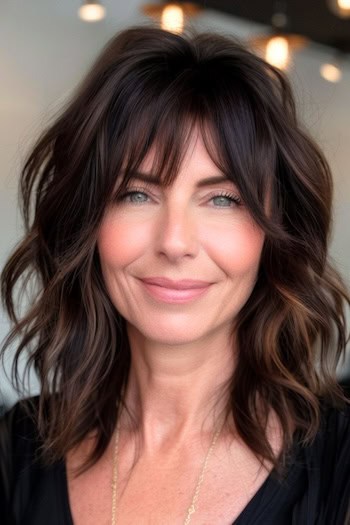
x: 135, y: 196
x: 226, y: 200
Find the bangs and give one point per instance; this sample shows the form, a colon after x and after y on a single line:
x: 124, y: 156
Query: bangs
x: 166, y: 109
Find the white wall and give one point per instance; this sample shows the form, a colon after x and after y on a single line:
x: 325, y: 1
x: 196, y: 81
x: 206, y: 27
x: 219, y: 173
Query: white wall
x: 44, y: 52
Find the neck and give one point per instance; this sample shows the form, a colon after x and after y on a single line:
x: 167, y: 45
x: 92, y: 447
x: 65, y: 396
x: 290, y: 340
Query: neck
x: 176, y: 393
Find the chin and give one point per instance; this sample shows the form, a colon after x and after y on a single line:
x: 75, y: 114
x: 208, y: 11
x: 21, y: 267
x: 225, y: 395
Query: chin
x: 175, y: 336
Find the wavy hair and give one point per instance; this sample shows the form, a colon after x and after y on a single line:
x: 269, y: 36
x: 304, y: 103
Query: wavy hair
x: 151, y: 87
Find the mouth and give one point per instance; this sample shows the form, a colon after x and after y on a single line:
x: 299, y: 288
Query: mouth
x: 183, y: 284
x: 174, y: 292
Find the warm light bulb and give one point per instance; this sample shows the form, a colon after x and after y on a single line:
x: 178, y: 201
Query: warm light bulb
x: 340, y: 8
x: 344, y: 4
x: 92, y: 12
x: 331, y: 72
x: 172, y: 19
x: 277, y: 52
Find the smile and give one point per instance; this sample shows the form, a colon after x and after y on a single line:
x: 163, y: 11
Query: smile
x: 174, y: 295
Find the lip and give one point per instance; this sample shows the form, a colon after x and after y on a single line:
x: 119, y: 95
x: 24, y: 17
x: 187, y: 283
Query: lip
x: 183, y: 284
x: 174, y: 292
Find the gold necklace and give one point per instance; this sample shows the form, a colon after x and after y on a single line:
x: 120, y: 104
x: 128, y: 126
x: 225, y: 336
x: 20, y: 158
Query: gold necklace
x: 191, y: 510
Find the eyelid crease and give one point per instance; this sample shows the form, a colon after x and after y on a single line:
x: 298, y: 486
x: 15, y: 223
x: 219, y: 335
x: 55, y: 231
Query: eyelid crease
x: 130, y: 189
x: 150, y: 187
x: 226, y: 193
x: 233, y: 197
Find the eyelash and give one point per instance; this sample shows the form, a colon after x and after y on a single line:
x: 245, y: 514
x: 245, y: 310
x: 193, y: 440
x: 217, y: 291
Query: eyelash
x: 123, y: 197
x: 231, y: 196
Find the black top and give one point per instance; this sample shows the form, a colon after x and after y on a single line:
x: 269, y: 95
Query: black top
x: 315, y: 490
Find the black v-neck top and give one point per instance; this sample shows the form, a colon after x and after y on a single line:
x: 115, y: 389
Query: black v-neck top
x: 314, y: 491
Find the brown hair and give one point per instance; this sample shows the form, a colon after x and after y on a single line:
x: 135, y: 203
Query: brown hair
x: 147, y: 87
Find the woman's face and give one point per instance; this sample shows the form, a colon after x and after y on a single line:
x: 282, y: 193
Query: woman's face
x: 194, y: 230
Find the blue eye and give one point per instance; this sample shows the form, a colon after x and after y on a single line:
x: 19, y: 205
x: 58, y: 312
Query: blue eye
x: 226, y: 200
x: 135, y: 197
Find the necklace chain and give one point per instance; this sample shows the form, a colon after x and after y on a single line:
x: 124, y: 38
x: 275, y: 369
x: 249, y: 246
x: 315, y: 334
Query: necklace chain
x: 192, y: 508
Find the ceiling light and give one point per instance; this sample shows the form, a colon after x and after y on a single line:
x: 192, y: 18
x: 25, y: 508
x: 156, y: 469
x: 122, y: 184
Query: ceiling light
x: 332, y: 70
x: 277, y: 52
x: 277, y: 47
x: 340, y: 8
x: 171, y: 16
x: 92, y: 11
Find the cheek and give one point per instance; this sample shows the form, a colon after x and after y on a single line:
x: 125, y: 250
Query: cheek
x: 237, y: 249
x: 119, y: 244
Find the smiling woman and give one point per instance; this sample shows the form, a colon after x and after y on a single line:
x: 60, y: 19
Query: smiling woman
x: 186, y: 323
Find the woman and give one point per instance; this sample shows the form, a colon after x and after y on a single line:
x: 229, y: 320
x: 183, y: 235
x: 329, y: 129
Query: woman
x: 186, y: 323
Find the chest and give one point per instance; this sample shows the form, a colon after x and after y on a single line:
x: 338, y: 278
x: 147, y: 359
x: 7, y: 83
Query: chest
x: 161, y: 491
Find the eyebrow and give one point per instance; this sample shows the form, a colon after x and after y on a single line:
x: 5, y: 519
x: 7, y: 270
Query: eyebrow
x: 151, y: 179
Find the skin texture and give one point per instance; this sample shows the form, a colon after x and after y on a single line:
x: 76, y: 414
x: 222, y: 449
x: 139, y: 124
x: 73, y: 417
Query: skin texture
x: 181, y: 353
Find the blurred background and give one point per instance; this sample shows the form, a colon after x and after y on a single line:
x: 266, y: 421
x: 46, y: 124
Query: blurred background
x: 46, y: 47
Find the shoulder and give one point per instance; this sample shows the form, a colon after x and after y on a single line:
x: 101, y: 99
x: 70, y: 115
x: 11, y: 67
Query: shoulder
x: 327, y: 466
x: 21, y: 410
x: 18, y: 444
x: 18, y: 425
x: 335, y: 427
x: 333, y: 442
x: 331, y: 447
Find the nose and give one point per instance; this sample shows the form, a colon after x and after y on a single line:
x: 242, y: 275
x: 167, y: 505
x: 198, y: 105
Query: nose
x: 176, y: 235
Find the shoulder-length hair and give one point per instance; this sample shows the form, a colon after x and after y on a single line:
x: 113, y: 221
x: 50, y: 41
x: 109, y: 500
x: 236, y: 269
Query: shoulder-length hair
x: 151, y: 87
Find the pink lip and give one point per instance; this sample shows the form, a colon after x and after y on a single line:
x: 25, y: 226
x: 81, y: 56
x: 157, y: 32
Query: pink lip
x: 176, y: 292
x: 183, y: 284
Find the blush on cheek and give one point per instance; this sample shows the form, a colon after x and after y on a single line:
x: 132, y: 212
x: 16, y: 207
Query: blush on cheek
x: 120, y: 244
x: 236, y: 250
x: 250, y: 245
